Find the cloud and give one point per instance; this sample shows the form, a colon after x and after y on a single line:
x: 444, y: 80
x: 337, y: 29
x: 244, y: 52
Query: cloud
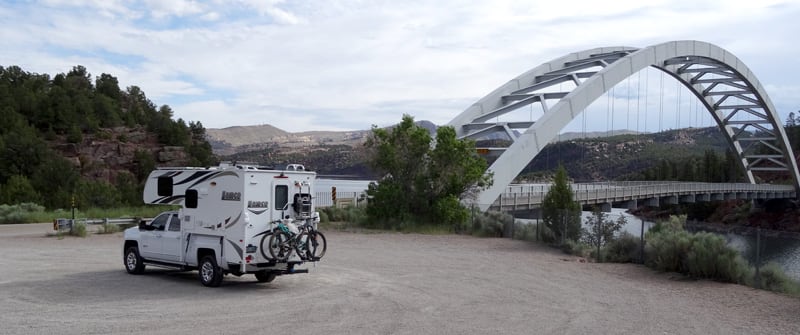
x: 161, y: 8
x: 307, y: 65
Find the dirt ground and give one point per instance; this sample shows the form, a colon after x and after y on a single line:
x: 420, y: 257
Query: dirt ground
x: 371, y: 284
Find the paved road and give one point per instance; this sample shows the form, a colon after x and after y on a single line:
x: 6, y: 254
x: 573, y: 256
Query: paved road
x: 371, y: 284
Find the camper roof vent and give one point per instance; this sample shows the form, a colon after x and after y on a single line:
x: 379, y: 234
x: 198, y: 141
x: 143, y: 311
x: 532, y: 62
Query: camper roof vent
x: 295, y: 167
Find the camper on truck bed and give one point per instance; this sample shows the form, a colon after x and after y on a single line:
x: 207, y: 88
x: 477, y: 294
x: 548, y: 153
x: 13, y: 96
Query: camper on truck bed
x: 229, y: 215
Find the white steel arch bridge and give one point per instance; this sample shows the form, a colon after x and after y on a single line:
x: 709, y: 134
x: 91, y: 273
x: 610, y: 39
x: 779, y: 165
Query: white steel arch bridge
x: 728, y: 89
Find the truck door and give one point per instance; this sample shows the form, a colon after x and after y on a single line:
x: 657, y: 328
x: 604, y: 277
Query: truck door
x: 151, y: 239
x: 171, y: 240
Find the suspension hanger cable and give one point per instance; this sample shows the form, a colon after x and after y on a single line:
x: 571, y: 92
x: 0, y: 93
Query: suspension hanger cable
x: 646, y: 94
x: 613, y: 98
x: 628, y: 111
x: 638, y: 98
x: 661, y: 102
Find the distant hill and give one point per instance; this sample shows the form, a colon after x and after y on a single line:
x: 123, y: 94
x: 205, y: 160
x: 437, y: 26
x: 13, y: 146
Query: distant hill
x: 595, y: 134
x: 592, y: 156
x: 232, y: 140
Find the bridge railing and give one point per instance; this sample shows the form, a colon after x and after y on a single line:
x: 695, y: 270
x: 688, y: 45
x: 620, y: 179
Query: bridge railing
x: 518, y: 196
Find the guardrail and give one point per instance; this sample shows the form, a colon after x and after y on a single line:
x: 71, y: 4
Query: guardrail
x: 66, y: 224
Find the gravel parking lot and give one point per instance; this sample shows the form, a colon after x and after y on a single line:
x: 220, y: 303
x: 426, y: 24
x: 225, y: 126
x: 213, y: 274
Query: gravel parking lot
x: 371, y: 284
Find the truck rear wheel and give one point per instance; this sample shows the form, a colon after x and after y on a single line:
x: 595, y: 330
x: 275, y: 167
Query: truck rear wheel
x: 210, y: 273
x: 133, y: 262
x: 265, y: 276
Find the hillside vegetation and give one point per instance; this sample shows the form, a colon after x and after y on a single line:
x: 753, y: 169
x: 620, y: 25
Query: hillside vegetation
x: 659, y: 156
x: 77, y: 136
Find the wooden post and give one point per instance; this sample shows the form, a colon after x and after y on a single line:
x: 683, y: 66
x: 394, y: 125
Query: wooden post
x: 641, y: 244
x: 758, y: 257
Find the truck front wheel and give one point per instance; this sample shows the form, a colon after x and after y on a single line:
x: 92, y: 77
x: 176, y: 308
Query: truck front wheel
x: 210, y: 273
x: 133, y: 262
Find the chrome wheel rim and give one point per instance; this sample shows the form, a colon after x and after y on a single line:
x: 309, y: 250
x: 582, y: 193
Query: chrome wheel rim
x: 131, y: 261
x: 207, y: 271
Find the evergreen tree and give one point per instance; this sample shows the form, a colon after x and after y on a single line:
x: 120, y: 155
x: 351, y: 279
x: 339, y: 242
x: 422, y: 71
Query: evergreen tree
x: 560, y: 212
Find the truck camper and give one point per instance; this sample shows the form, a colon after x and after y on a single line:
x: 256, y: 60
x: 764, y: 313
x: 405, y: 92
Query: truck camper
x: 228, y: 217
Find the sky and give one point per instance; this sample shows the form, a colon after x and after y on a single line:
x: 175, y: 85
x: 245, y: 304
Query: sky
x: 347, y: 65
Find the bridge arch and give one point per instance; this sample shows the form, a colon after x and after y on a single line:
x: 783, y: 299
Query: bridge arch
x: 726, y: 87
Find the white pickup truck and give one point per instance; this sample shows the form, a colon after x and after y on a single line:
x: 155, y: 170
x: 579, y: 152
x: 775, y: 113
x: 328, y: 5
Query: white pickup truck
x: 224, y: 226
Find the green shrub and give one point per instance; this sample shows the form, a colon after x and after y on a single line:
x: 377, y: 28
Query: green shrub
x: 576, y: 248
x: 673, y: 223
x: 489, y: 224
x: 448, y: 211
x: 623, y: 249
x: 19, y: 213
x: 108, y: 228
x: 78, y: 229
x: 323, y: 217
x: 525, y: 232
x: 774, y: 279
x: 701, y: 255
x: 666, y: 250
x: 352, y: 215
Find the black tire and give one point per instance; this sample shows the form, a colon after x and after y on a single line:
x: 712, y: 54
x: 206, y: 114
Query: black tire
x: 301, y: 246
x: 317, y: 245
x: 210, y: 273
x: 265, y: 276
x: 265, y: 245
x: 280, y: 246
x: 133, y: 262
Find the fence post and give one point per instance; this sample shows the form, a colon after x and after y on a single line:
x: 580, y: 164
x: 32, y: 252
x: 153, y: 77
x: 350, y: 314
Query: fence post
x: 641, y: 244
x: 758, y: 257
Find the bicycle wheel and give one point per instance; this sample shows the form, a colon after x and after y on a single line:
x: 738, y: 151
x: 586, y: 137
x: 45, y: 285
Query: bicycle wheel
x: 317, y: 245
x: 301, y: 247
x: 280, y: 246
x: 265, y: 245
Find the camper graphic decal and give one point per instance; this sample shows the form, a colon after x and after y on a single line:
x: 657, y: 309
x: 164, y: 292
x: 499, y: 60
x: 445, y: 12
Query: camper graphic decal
x: 231, y: 196
x: 235, y: 221
x: 236, y: 247
x: 194, y: 176
x: 257, y: 207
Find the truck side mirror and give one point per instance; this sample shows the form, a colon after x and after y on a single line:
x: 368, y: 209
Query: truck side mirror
x: 142, y: 225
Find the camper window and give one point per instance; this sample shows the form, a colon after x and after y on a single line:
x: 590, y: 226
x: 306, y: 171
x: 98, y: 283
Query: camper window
x: 281, y: 196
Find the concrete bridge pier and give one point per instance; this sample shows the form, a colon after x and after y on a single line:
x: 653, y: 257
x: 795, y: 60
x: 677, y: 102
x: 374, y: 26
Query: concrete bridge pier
x: 604, y: 207
x: 651, y: 202
x: 669, y: 200
x: 630, y: 204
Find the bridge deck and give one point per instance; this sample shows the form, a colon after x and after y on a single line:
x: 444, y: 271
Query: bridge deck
x: 530, y: 196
